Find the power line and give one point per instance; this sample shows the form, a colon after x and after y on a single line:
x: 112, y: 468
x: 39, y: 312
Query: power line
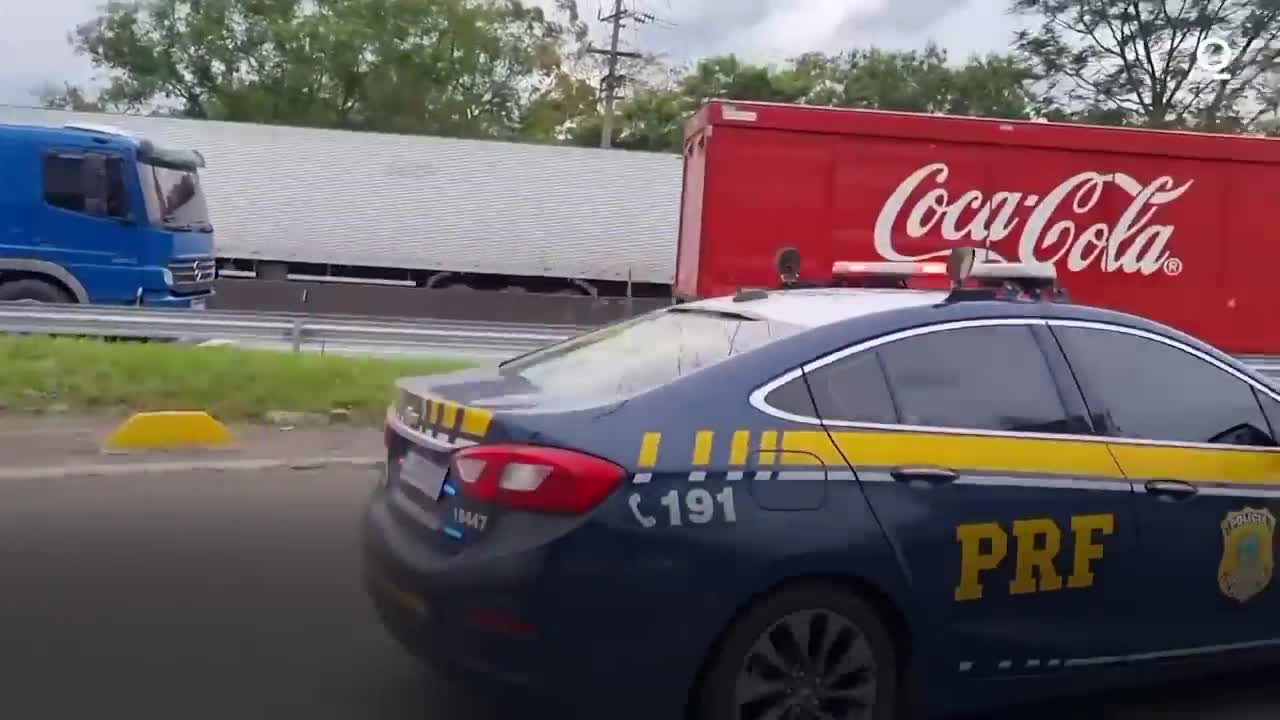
x: 613, y: 80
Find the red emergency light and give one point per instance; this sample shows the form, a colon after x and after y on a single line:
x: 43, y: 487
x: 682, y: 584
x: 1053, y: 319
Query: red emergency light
x: 1035, y: 279
x: 844, y: 268
x: 889, y: 274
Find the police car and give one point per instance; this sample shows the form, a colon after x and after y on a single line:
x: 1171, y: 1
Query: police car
x: 839, y: 502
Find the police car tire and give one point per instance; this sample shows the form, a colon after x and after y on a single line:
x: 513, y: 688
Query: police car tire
x: 716, y: 697
x: 29, y: 289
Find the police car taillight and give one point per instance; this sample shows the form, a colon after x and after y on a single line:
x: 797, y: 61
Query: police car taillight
x: 535, y: 478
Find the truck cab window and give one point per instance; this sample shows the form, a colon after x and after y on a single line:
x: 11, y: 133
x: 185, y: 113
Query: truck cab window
x: 117, y: 194
x: 1153, y: 391
x: 64, y: 185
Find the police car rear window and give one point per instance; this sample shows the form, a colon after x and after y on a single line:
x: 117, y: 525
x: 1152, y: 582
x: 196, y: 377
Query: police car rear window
x: 645, y: 352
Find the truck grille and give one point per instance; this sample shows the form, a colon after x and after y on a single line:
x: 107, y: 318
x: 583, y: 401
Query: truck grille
x: 193, y: 274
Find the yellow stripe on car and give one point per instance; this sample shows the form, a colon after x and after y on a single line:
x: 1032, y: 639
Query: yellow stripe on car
x: 649, y: 449
x: 702, y: 442
x: 741, y: 447
x: 1227, y: 465
x: 475, y: 421
x: 1047, y: 456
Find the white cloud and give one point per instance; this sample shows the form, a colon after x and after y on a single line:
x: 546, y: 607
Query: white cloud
x: 35, y: 50
x: 806, y: 25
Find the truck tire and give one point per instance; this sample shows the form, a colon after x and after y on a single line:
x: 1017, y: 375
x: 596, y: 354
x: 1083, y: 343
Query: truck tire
x: 33, y: 290
x: 855, y: 659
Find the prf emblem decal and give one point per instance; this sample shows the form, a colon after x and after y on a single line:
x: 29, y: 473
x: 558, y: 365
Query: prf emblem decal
x: 1247, y: 557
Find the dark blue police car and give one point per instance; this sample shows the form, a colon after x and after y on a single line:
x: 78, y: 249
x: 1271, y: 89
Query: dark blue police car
x: 835, y: 503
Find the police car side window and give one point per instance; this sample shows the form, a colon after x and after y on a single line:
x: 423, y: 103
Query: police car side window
x: 986, y: 378
x: 1152, y: 391
x: 853, y: 389
x: 1270, y: 408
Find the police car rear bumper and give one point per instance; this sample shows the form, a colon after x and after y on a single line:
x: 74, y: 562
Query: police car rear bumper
x: 433, y: 600
x: 562, y: 659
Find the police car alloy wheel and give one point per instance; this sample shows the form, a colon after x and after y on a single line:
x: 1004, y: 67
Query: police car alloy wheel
x: 814, y: 652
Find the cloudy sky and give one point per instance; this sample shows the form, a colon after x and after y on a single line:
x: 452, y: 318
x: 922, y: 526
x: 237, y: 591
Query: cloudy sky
x: 34, y: 50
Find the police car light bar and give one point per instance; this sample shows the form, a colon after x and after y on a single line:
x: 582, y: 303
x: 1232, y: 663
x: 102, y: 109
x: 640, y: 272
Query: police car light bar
x: 962, y: 266
x: 887, y: 269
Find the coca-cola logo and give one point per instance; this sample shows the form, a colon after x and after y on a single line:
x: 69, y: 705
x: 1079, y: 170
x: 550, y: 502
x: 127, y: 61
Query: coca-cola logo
x: 1051, y: 226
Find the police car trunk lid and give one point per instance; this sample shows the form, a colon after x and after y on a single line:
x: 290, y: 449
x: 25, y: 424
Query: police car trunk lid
x: 470, y: 452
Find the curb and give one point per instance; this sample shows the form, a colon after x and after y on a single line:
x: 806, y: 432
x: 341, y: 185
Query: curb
x: 161, y: 468
x: 169, y: 429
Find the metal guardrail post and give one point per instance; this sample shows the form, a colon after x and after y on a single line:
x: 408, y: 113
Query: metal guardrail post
x: 296, y: 335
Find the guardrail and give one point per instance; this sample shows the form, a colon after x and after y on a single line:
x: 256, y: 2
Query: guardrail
x: 331, y: 333
x: 328, y: 333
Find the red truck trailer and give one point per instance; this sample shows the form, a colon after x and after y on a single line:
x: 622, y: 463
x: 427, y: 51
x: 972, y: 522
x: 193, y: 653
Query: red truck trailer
x: 1180, y: 227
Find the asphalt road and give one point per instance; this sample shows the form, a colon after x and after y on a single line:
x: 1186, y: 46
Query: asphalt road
x: 236, y: 595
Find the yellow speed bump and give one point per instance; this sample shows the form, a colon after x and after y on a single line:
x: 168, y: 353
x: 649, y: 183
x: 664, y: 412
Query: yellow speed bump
x: 168, y: 430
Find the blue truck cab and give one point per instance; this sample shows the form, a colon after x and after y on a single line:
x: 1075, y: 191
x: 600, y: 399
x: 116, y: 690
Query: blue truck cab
x: 97, y: 215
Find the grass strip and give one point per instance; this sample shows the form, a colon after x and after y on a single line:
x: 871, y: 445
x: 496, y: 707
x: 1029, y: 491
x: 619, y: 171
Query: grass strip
x: 40, y: 373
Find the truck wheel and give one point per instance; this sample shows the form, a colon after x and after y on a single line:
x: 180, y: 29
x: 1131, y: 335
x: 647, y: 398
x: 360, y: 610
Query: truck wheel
x: 33, y: 291
x: 813, y: 651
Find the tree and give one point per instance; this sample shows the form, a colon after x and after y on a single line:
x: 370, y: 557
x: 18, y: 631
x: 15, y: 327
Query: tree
x: 916, y: 81
x: 651, y: 119
x: 912, y: 81
x: 453, y: 67
x: 477, y: 68
x: 727, y: 77
x: 71, y: 97
x: 994, y: 85
x: 567, y: 96
x: 1143, y: 62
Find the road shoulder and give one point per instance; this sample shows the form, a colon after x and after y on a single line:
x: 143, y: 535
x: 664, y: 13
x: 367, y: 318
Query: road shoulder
x: 60, y: 446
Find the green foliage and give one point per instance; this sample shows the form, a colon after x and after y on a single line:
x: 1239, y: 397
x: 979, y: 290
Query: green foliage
x: 232, y: 384
x: 924, y: 81
x: 1140, y: 62
x: 71, y: 97
x: 504, y: 69
x: 451, y: 67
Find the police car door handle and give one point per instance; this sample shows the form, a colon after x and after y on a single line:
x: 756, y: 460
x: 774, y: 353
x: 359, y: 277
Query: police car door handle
x: 924, y: 474
x: 1173, y: 489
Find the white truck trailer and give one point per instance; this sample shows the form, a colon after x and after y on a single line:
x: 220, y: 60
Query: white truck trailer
x: 302, y: 203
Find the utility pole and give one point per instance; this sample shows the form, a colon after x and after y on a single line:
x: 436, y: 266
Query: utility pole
x: 613, y: 81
